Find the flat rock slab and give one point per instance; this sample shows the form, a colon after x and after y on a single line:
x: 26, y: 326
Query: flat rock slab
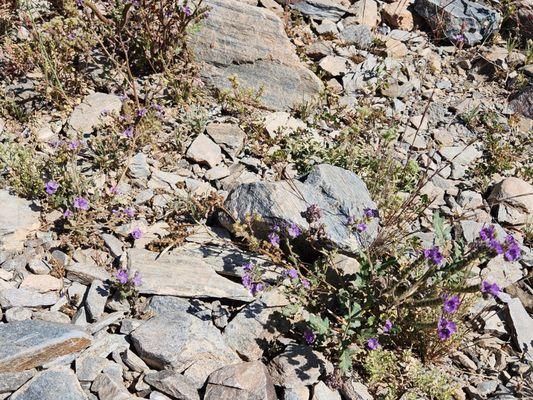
x: 13, y: 297
x: 91, y: 112
x: 17, y: 220
x: 250, y: 43
x: 31, y: 343
x: 53, y: 384
x: 184, y: 343
x: 183, y: 275
x: 339, y: 194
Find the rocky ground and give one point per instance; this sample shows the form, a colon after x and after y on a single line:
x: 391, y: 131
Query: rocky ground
x: 460, y: 108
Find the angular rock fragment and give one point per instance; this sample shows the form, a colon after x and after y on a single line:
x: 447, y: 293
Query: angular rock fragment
x: 93, y: 108
x: 52, y: 384
x: 28, y: 344
x: 12, y: 297
x: 173, y: 384
x: 318, y: 9
x: 512, y: 201
x: 17, y: 220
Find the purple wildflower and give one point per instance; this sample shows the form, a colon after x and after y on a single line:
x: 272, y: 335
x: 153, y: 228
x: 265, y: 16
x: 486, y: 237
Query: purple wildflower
x: 372, y: 344
x: 496, y: 246
x: 247, y: 281
x: 446, y: 328
x: 491, y: 288
x: 294, y: 231
x: 74, y: 144
x: 313, y: 213
x: 71, y: 36
x: 129, y: 212
x: 248, y: 267
x: 186, y: 10
x: 122, y: 276
x: 305, y: 283
x: 487, y: 233
x: 512, y: 253
x: 309, y: 336
x: 350, y: 220
x: 81, y: 203
x: 387, y: 326
x: 273, y: 238
x: 292, y: 273
x: 128, y: 132
x: 51, y: 187
x: 256, y: 288
x: 141, y: 112
x: 434, y: 255
x: 136, y: 233
x: 361, y: 227
x: 370, y: 213
x: 137, y: 280
x: 68, y: 214
x: 451, y: 304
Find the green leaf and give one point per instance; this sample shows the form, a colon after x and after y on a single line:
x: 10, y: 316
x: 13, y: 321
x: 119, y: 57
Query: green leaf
x: 319, y: 325
x: 442, y: 231
x: 345, y: 360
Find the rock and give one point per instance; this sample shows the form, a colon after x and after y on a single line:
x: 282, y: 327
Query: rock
x: 86, y: 273
x: 282, y: 123
x: 487, y: 387
x: 327, y: 28
x: 512, y: 201
x: 333, y: 65
x: 138, y: 167
x: 319, y: 9
x: 18, y: 314
x: 366, y: 12
x: 398, y: 16
x: 322, y: 392
x: 524, y: 10
x: 297, y: 393
x: 11, y: 297
x: 96, y: 299
x: 522, y: 102
x: 252, y: 328
x: 522, y: 327
x: 358, y: 35
x: 229, y: 136
x: 173, y: 384
x: 204, y: 151
x: 41, y: 283
x: 11, y: 381
x: 88, y: 115
x: 184, y: 343
x: 110, y: 387
x: 502, y: 272
x: 297, y: 366
x: 17, y: 220
x: 89, y: 366
x: 354, y: 390
x: 242, y: 381
x: 459, y: 20
x: 113, y: 244
x: 394, y: 48
x: 470, y: 200
x: 171, y: 305
x: 250, y: 43
x: 28, y: 344
x: 52, y: 384
x: 182, y: 274
x: 339, y: 194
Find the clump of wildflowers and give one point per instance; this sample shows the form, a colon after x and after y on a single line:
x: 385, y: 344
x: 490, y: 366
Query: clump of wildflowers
x: 294, y: 231
x: 51, y: 187
x: 490, y: 288
x: 387, y: 326
x: 509, y: 247
x: 313, y: 213
x: 451, y: 304
x: 251, y: 279
x: 372, y: 344
x: 434, y: 255
x: 446, y: 328
x: 127, y: 283
x: 81, y: 203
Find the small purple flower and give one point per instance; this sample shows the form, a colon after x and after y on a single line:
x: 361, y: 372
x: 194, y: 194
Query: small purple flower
x: 248, y: 267
x: 68, y: 214
x: 491, y: 288
x: 129, y: 212
x: 141, y: 112
x: 350, y: 220
x: 79, y: 3
x: 309, y: 336
x: 81, y: 203
x: 247, y: 281
x: 487, y: 233
x: 136, y: 233
x: 451, y: 304
x: 512, y: 253
x: 387, y: 326
x: 294, y: 231
x: 496, y: 246
x: 372, y: 344
x: 74, y: 144
x: 51, y: 187
x: 361, y: 227
x: 305, y: 283
x: 123, y: 96
x: 137, y: 280
x: 71, y: 36
x: 128, y: 132
x: 434, y: 255
x: 313, y: 213
x: 292, y: 273
x: 186, y: 10
x: 256, y: 288
x: 122, y: 276
x: 273, y: 238
x: 446, y: 328
x: 370, y: 213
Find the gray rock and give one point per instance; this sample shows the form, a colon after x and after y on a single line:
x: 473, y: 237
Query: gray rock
x: 468, y: 20
x: 138, y: 167
x: 512, y: 201
x: 17, y: 220
x: 522, y: 102
x: 353, y: 390
x: 110, y: 387
x: 358, y: 35
x: 89, y: 366
x: 134, y: 362
x: 11, y: 381
x: 339, y: 194
x: 204, y: 151
x: 88, y: 115
x: 242, y: 381
x: 113, y: 244
x: 183, y: 343
x: 229, y: 136
x: 18, y: 314
x: 171, y: 304
x: 322, y: 392
x: 96, y: 299
x: 176, y: 274
x: 85, y: 273
x: 319, y: 9
x: 297, y: 393
x: 11, y: 297
x: 51, y: 385
x: 173, y: 384
x: 28, y: 344
x: 297, y: 366
x: 522, y: 327
x: 502, y: 272
x: 250, y: 43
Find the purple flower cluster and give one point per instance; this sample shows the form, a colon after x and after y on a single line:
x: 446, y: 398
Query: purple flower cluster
x: 372, y: 344
x: 294, y: 230
x: 309, y: 336
x: 136, y: 233
x: 273, y: 239
x: 141, y: 112
x: 370, y: 213
x: 51, y: 187
x: 248, y: 281
x: 123, y: 277
x: 292, y: 273
x: 313, y: 213
x: 434, y: 255
x: 490, y: 288
x: 128, y: 132
x: 509, y: 247
x: 387, y: 326
x: 81, y: 203
x: 450, y: 304
x: 446, y: 328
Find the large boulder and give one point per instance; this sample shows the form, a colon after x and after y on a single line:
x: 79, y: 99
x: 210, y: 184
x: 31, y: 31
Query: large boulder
x: 340, y: 194
x: 459, y: 20
x: 250, y: 43
x: 318, y: 9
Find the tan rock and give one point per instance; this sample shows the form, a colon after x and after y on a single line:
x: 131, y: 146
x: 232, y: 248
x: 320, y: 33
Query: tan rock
x: 395, y: 48
x: 366, y: 12
x: 512, y: 201
x: 398, y: 16
x: 17, y: 220
x: 42, y: 283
